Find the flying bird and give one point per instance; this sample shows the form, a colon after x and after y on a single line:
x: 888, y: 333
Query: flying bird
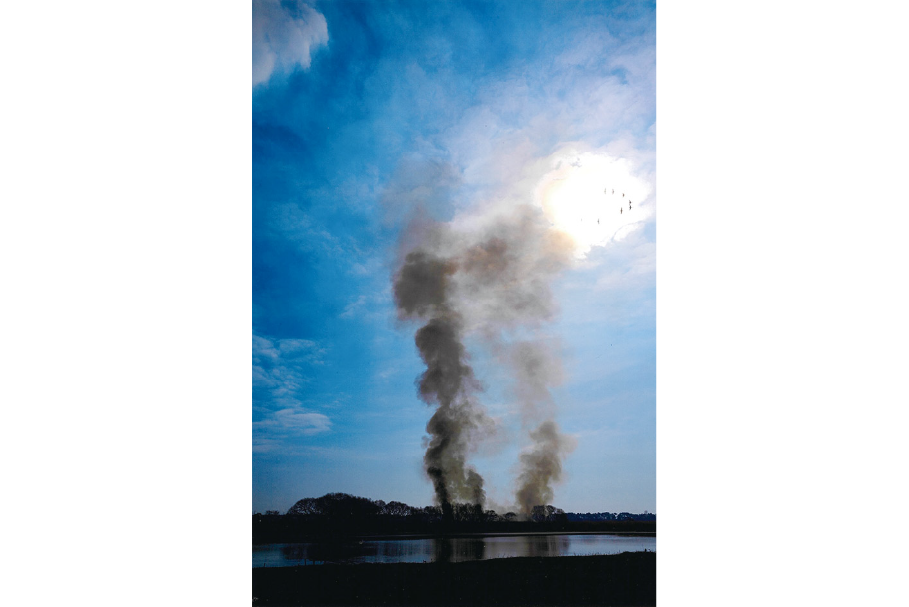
x: 620, y: 210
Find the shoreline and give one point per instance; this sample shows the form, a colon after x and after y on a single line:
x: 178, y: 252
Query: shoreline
x: 456, y: 534
x: 295, y: 529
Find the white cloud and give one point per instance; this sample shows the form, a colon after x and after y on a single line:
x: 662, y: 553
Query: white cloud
x: 283, y: 37
x: 354, y: 308
x: 279, y: 369
x: 262, y: 444
x: 593, y: 129
x: 277, y: 430
x: 306, y: 422
x: 375, y: 306
x: 270, y: 352
x: 599, y: 97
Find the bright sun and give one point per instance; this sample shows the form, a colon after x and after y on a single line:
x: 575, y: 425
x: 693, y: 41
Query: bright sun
x: 594, y: 198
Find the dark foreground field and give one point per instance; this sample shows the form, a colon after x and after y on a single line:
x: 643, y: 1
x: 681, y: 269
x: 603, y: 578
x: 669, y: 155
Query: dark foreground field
x: 616, y: 579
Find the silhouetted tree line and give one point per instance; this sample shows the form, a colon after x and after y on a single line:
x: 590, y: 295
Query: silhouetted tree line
x: 339, y: 514
x: 611, y: 516
x: 344, y: 506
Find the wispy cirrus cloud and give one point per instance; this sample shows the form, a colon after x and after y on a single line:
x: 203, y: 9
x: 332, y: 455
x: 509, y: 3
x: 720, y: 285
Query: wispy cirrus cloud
x: 281, y: 369
x: 284, y: 34
x: 281, y: 372
x: 277, y: 431
x: 290, y: 222
x: 293, y: 421
x: 374, y: 306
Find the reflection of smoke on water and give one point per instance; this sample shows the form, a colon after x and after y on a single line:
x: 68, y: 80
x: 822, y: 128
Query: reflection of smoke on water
x: 295, y: 552
x: 404, y: 551
x: 527, y: 545
x: 458, y: 549
x: 442, y: 550
x: 547, y: 545
x: 447, y: 549
x: 476, y: 550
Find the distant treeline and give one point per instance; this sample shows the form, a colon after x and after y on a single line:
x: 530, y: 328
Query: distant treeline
x: 337, y: 514
x: 610, y: 516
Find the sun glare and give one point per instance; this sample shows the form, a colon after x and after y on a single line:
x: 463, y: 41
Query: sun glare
x: 594, y: 198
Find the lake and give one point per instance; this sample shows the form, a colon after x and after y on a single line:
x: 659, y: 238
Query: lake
x: 447, y: 549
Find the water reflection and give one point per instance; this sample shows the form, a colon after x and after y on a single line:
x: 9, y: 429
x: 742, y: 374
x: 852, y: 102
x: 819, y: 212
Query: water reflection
x: 329, y: 552
x: 457, y: 549
x: 446, y: 550
x: 442, y: 550
x: 547, y: 545
x: 404, y: 551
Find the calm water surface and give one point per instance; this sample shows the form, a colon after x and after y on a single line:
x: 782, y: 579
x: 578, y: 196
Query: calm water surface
x: 454, y: 549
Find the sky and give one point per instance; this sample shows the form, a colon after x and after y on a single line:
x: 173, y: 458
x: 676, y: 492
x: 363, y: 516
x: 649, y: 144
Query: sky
x: 377, y: 125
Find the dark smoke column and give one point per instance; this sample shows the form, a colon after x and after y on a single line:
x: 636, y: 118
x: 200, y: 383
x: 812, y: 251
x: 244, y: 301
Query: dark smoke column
x: 421, y: 290
x: 489, y: 279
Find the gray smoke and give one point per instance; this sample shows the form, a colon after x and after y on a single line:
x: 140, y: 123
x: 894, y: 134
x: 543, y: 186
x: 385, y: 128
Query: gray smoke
x: 541, y: 466
x: 492, y: 280
x: 536, y: 369
x: 421, y: 292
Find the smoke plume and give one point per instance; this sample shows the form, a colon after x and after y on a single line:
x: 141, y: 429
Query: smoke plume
x: 422, y: 291
x: 541, y: 466
x: 489, y: 278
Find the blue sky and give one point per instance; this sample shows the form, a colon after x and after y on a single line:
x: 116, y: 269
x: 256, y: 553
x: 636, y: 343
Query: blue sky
x: 366, y: 114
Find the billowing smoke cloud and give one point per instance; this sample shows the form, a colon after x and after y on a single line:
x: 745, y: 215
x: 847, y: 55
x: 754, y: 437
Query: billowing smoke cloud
x: 541, y: 465
x: 422, y: 291
x: 283, y: 37
x: 489, y: 277
x: 536, y: 369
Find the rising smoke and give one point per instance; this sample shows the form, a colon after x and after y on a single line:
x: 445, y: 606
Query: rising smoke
x: 422, y: 291
x: 491, y: 280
